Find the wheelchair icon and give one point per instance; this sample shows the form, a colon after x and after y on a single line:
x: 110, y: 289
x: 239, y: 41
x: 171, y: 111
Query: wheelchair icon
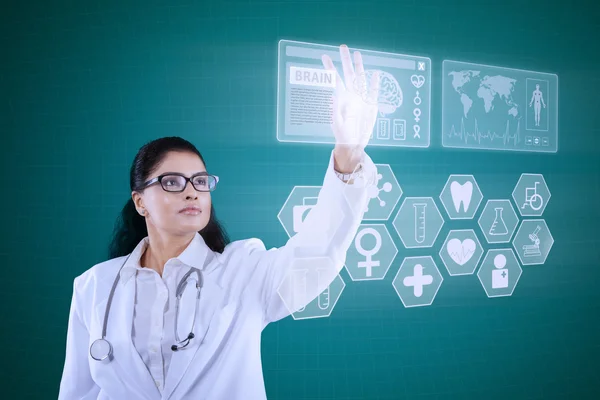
x: 532, y: 198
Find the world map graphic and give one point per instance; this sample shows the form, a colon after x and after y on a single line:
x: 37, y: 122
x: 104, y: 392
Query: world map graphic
x: 490, y: 90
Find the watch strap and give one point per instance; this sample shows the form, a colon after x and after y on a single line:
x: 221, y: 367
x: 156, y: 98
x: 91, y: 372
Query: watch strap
x: 349, y: 176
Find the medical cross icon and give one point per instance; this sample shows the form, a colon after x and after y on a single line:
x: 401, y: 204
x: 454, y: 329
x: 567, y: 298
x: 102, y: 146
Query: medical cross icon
x: 418, y: 280
x: 410, y: 281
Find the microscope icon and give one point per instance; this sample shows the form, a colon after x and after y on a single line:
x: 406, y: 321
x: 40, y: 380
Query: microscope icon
x: 533, y: 250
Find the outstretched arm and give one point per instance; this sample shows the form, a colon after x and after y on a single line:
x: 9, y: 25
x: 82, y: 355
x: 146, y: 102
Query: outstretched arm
x: 330, y: 227
x: 319, y: 247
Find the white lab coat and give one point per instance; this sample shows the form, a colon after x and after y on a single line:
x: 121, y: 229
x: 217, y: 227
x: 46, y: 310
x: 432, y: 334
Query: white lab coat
x: 239, y: 298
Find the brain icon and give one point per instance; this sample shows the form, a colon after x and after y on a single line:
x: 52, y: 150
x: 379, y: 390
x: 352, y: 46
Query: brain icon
x: 390, y: 93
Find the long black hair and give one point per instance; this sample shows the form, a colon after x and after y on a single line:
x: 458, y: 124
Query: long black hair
x: 130, y: 227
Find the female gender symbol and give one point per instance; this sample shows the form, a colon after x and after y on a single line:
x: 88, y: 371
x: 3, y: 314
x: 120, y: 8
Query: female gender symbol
x: 417, y: 114
x: 369, y: 263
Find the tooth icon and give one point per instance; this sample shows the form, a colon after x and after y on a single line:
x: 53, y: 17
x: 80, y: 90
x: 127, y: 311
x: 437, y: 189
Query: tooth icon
x: 461, y: 194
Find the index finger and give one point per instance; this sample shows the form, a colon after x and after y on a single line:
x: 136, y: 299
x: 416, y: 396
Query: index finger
x: 360, y: 80
x: 347, y: 65
x: 328, y: 64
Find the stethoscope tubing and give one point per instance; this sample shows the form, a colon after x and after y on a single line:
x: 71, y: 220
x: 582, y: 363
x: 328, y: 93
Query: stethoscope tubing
x: 178, y: 294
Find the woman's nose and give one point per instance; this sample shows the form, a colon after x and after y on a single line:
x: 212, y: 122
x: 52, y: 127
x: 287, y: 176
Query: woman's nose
x: 190, y: 191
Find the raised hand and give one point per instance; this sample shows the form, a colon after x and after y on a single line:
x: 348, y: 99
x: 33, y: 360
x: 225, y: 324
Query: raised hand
x: 354, y: 106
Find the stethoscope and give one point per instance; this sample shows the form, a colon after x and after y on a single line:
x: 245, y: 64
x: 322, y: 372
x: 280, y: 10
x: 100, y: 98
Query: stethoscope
x: 101, y: 349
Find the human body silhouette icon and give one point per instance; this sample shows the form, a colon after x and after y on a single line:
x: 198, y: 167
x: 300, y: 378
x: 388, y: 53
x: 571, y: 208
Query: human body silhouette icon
x: 538, y: 100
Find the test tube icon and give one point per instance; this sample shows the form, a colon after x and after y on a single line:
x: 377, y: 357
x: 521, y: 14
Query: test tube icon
x: 323, y: 299
x: 298, y: 283
x: 420, y: 221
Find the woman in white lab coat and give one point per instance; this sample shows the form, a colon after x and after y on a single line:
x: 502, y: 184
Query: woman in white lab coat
x: 167, y: 230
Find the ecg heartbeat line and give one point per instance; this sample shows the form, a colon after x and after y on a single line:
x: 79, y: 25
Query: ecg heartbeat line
x: 459, y: 256
x: 478, y: 135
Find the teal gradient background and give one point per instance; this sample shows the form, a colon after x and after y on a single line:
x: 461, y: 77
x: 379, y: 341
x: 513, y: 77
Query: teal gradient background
x: 84, y: 84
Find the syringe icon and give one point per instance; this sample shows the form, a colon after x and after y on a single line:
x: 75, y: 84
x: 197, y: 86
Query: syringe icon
x: 420, y: 221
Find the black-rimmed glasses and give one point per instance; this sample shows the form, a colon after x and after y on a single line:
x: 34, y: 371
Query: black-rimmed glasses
x: 175, y: 182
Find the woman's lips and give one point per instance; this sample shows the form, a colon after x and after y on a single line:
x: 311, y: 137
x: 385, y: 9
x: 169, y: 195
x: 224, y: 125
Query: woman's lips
x: 190, y: 211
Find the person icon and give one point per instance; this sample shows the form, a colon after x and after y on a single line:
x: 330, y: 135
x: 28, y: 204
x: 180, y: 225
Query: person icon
x: 537, y: 99
x: 500, y: 274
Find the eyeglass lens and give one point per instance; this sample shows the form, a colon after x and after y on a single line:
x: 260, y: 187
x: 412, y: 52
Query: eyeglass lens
x: 176, y: 183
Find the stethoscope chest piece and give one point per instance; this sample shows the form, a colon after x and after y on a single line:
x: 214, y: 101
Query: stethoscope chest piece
x: 101, y: 350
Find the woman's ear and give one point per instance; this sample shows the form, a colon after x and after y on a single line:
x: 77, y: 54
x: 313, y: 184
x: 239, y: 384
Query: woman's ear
x: 138, y: 203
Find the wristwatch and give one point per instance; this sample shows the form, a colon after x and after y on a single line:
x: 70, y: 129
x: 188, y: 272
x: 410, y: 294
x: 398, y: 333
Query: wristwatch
x: 348, y: 177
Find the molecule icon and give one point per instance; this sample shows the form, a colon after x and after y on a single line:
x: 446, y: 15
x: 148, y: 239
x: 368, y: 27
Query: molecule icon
x: 383, y: 194
x: 373, y: 191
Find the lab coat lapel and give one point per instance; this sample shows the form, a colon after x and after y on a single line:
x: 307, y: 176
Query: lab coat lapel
x: 127, y: 361
x: 210, y: 300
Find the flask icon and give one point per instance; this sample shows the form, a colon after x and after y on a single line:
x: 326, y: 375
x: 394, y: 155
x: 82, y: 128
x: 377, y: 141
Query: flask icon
x: 498, y: 226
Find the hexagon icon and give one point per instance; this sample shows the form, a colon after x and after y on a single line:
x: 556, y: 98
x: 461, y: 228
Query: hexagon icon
x: 417, y: 281
x: 499, y: 273
x: 384, y: 193
x: 461, y: 252
x: 418, y: 222
x: 311, y: 287
x: 371, y: 253
x: 533, y: 242
x: 498, y: 221
x: 531, y: 195
x: 297, y: 208
x: 461, y: 196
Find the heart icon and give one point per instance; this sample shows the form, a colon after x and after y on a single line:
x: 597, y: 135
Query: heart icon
x: 461, y: 252
x: 417, y: 80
